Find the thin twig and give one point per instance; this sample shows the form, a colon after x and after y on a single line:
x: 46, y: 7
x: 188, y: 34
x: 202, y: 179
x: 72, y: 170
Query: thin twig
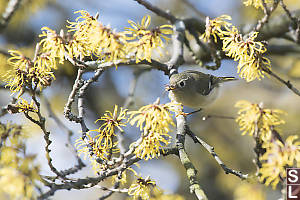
x: 211, y: 150
x: 82, y: 183
x: 193, y: 8
x: 296, y: 21
x: 288, y: 13
x: 80, y: 163
x: 286, y: 83
x: 267, y: 15
x: 128, y: 102
x: 67, y: 110
x: 158, y: 11
x: 154, y: 64
x: 111, y: 190
x: 81, y: 110
x: 42, y: 124
x: 4, y: 109
x: 178, y: 38
x: 206, y: 117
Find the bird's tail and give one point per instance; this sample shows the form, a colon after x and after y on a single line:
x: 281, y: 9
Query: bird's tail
x: 225, y: 79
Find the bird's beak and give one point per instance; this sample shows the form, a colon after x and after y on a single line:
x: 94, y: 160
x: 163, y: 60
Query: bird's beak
x: 170, y: 87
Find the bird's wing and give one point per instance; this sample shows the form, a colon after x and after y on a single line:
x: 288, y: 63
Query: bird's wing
x: 205, y: 83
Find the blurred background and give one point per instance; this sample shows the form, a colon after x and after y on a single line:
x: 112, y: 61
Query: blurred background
x: 112, y: 88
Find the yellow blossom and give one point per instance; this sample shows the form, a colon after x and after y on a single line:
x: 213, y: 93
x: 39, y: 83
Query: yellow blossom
x: 97, y: 167
x: 167, y: 197
x: 25, y: 73
x: 78, y: 47
x: 16, y: 77
x: 9, y: 156
x: 18, y: 173
x: 249, y: 115
x: 153, y: 117
x: 24, y: 106
x: 90, y: 36
x: 231, y: 42
x: 249, y: 46
x: 251, y: 69
x: 111, y: 122
x: 16, y: 80
x: 150, y: 145
x: 15, y: 184
x: 154, y: 120
x: 97, y: 155
x: 88, y: 147
x: 248, y: 52
x: 122, y: 180
x: 18, y: 60
x: 256, y: 3
x: 53, y: 44
x: 142, y: 188
x: 86, y: 35
x: 292, y: 148
x: 124, y: 177
x: 241, y: 49
x: 248, y: 191
x: 81, y: 146
x: 278, y: 156
x: 142, y: 41
x: 83, y: 22
x: 45, y: 62
x: 254, y: 119
x: 139, y: 28
x: 214, y: 27
x: 102, y: 146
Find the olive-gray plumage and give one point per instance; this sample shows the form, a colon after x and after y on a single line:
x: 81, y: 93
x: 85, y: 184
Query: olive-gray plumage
x: 195, y: 89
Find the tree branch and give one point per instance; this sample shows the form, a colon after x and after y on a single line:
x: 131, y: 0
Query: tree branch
x: 287, y: 83
x: 267, y: 12
x: 154, y: 64
x: 276, y: 27
x: 158, y: 11
x: 80, y: 163
x: 76, y: 86
x: 193, y: 8
x: 178, y: 41
x: 211, y: 150
x: 10, y: 9
x: 83, y: 183
x: 186, y: 162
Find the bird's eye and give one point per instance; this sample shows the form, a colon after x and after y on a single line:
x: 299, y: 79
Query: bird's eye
x: 181, y: 83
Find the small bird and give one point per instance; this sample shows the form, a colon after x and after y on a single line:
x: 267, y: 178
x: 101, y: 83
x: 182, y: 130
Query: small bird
x: 195, y: 89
